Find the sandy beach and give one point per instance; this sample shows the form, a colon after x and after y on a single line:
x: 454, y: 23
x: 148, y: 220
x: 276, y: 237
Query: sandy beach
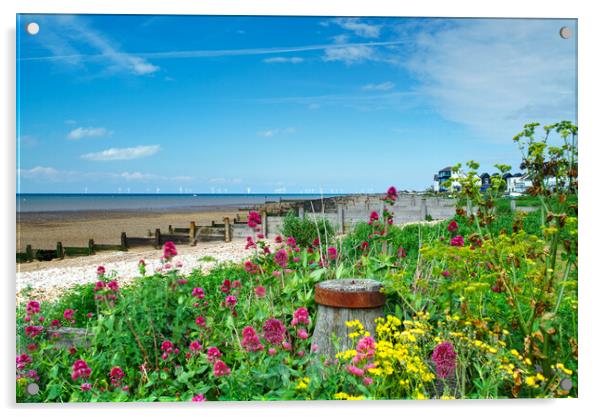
x: 43, y: 229
x: 47, y: 280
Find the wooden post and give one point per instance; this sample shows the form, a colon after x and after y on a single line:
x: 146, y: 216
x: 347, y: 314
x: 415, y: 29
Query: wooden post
x: 29, y: 252
x: 192, y: 234
x: 227, y: 230
x: 157, y: 238
x: 170, y: 229
x: 91, y: 247
x: 264, y: 223
x: 60, y: 253
x: 342, y: 300
x: 423, y: 212
x: 124, y: 241
x: 341, y: 218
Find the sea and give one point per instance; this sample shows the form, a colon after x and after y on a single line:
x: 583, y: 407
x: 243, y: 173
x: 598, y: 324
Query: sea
x: 33, y: 203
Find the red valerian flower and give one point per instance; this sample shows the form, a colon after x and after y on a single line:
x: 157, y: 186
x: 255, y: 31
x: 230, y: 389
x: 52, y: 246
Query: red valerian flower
x: 444, y: 357
x: 33, y: 307
x: 332, y: 253
x: 198, y: 293
x: 198, y: 398
x: 457, y: 241
x: 273, y: 331
x: 220, y: 368
x: 374, y: 216
x: 116, y: 374
x: 290, y: 241
x: 68, y: 314
x: 23, y: 360
x: 250, y: 243
x: 100, y: 271
x: 100, y: 285
x: 195, y: 346
x: 260, y: 291
x: 391, y: 194
x: 33, y: 331
x: 200, y: 321
x: 452, y: 226
x: 281, y: 257
x: 278, y: 239
x: 231, y: 301
x: 113, y: 286
x: 365, y: 245
x: 225, y: 287
x: 86, y: 386
x: 401, y: 252
x: 251, y: 268
x: 300, y: 316
x: 250, y: 341
x: 80, y: 370
x: 213, y: 353
x: 254, y: 219
x: 169, y: 250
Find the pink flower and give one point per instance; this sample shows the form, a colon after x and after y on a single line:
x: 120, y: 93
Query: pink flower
x: 300, y: 316
x: 141, y: 262
x: 220, y: 368
x: 367, y: 381
x: 250, y: 243
x: 301, y: 353
x: 33, y: 307
x: 86, y: 386
x: 444, y: 357
x: 374, y: 216
x: 250, y: 341
x: 199, y: 398
x: 401, y: 252
x: 273, y: 331
x: 195, y: 346
x: 116, y: 374
x: 168, y: 348
x: 113, y: 286
x: 260, y: 291
x: 100, y: 285
x: 391, y: 194
x: 366, y: 348
x: 41, y: 319
x: 354, y: 370
x: 200, y: 321
x: 80, y: 370
x: 278, y: 239
x: 23, y: 360
x: 445, y: 273
x: 225, y: 288
x: 213, y: 353
x: 254, y: 219
x: 281, y: 257
x: 290, y: 241
x: 452, y: 226
x: 302, y: 334
x: 365, y: 245
x: 236, y: 283
x: 457, y: 241
x: 332, y: 253
x: 169, y: 250
x: 100, y: 271
x: 198, y: 293
x: 33, y: 331
x: 231, y: 301
x: 68, y: 314
x: 260, y: 236
x: 251, y: 268
x: 271, y: 351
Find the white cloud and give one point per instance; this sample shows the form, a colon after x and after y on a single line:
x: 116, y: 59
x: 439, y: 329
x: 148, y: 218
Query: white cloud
x: 222, y: 181
x: 496, y: 75
x: 50, y: 174
x: 83, y: 132
x: 282, y: 60
x: 40, y: 173
x: 385, y: 86
x: 116, y: 154
x: 273, y: 132
x: 66, y: 35
x: 358, y: 27
x: 349, y: 54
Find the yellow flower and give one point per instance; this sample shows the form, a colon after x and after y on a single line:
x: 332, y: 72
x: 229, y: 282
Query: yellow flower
x: 302, y: 383
x: 447, y: 397
x: 530, y: 380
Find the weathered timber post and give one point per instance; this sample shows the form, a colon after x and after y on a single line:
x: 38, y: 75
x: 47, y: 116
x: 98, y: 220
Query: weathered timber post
x: 227, y: 230
x: 343, y: 300
x: 60, y: 253
x: 301, y: 211
x: 423, y: 212
x: 157, y: 238
x: 29, y: 252
x: 192, y: 234
x: 124, y: 241
x: 513, y: 205
x: 91, y: 247
x: 341, y: 218
x: 264, y: 223
x: 170, y: 229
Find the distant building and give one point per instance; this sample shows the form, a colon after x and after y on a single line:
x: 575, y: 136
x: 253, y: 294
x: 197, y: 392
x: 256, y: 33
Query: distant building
x: 485, y: 181
x: 517, y: 184
x: 444, y: 175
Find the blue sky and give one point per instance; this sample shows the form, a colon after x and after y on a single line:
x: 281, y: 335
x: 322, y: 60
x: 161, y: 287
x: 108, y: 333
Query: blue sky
x: 279, y: 104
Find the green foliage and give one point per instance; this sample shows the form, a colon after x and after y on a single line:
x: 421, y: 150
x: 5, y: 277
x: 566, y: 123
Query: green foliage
x: 306, y: 230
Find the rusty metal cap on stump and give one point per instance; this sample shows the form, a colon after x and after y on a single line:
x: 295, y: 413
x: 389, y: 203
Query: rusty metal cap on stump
x: 350, y: 293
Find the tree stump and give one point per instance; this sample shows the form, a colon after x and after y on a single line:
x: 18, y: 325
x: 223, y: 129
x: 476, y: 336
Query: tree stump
x: 343, y: 300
